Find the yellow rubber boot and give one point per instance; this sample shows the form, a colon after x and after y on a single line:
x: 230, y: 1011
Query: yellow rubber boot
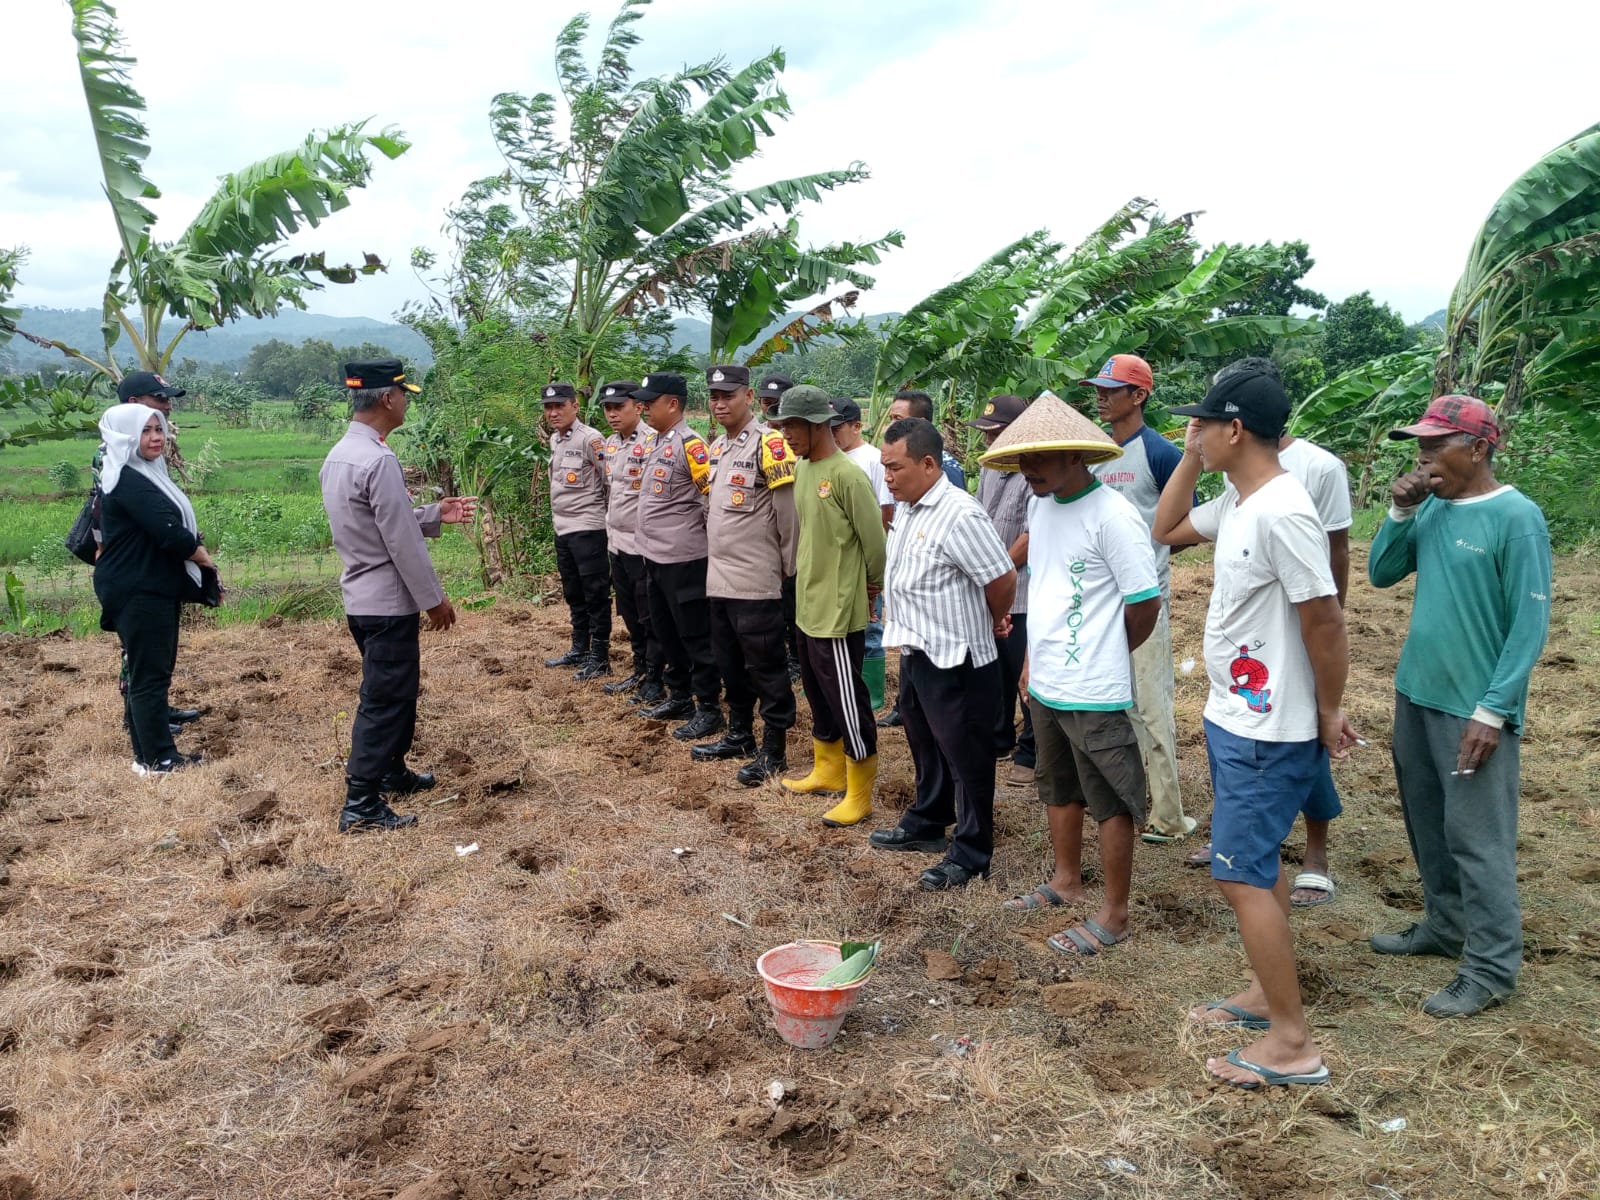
x: 827, y: 770
x: 857, y: 803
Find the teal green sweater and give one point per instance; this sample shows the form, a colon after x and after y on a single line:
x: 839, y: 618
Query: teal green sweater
x: 1482, y: 610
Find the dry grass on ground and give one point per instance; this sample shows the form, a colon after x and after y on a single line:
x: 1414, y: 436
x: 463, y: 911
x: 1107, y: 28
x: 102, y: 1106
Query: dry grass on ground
x: 205, y: 992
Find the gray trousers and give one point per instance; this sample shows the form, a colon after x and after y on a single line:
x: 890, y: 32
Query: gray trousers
x: 1463, y: 832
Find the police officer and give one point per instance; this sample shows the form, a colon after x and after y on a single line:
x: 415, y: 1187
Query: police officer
x: 578, y: 512
x: 624, y: 453
x: 388, y: 579
x: 768, y: 392
x: 672, y: 539
x: 750, y: 533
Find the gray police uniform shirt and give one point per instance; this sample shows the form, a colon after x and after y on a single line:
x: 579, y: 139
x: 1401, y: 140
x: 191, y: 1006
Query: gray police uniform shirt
x: 672, y: 503
x: 377, y: 532
x: 750, y: 529
x: 1147, y: 462
x: 625, y: 477
x: 1004, y: 496
x: 577, y: 480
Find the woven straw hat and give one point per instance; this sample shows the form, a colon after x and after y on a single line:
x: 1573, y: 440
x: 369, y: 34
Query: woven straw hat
x: 1050, y: 423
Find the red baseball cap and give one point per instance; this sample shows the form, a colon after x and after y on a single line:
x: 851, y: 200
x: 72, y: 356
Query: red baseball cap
x: 1454, y: 414
x: 1123, y: 370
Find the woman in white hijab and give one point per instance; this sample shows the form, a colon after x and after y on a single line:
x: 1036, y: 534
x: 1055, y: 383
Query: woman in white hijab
x: 149, y: 564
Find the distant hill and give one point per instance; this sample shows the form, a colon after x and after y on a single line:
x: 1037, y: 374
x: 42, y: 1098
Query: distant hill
x: 1433, y: 321
x: 696, y: 334
x: 228, y: 346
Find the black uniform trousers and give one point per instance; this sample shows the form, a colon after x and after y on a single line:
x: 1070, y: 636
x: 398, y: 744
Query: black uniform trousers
x: 748, y: 639
x: 391, y: 674
x: 790, y: 631
x: 633, y: 605
x: 953, y: 753
x: 1013, y: 652
x: 681, y: 622
x: 586, y: 585
x: 830, y: 673
x: 147, y: 625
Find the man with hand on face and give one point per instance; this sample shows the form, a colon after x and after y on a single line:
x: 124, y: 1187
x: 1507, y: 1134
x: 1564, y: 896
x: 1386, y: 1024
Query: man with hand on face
x: 947, y: 595
x: 1481, y: 554
x: 839, y: 568
x: 1094, y: 596
x: 625, y: 451
x: 672, y: 539
x: 1277, y: 658
x: 578, y: 512
x: 750, y: 536
x: 388, y: 578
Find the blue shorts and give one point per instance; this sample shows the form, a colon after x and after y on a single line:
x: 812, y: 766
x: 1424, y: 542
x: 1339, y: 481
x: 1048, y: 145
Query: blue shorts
x: 1323, y: 802
x: 1260, y: 788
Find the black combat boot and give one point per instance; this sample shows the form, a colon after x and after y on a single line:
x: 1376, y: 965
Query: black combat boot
x: 670, y: 709
x: 366, y: 812
x: 596, y: 663
x: 652, y: 691
x: 405, y: 781
x: 571, y: 658
x: 707, y: 720
x: 620, y: 687
x: 769, y: 762
x: 738, y: 742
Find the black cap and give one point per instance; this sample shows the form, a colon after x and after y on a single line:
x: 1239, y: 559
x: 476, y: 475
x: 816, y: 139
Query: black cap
x: 773, y: 387
x: 618, y: 391
x: 146, y: 383
x: 377, y: 373
x: 998, y: 412
x: 727, y: 378
x: 559, y: 393
x: 844, y: 411
x: 1254, y: 399
x: 663, y: 384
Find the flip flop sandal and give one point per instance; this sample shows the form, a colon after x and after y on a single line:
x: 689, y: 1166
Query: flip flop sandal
x: 1042, y: 896
x: 1313, y: 881
x: 1200, y: 857
x: 1078, y: 946
x: 1243, y: 1017
x: 1269, y: 1077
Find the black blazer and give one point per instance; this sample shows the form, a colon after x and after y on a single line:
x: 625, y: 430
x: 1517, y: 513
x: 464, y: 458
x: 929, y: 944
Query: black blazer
x: 143, y: 549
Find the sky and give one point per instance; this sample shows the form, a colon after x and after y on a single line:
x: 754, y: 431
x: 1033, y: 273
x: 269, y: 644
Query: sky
x: 1379, y: 133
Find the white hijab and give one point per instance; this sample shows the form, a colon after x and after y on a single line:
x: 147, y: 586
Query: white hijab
x: 121, y: 426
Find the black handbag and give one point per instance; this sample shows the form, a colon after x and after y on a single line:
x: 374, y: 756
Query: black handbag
x: 80, y: 541
x: 207, y: 592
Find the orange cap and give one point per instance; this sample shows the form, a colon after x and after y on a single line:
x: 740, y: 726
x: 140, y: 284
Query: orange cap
x: 1123, y: 370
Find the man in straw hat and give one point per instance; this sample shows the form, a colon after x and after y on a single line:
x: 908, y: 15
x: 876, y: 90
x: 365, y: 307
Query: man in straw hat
x: 1095, y: 597
x: 1277, y: 657
x: 1481, y: 554
x: 946, y: 598
x: 1121, y: 390
x: 839, y: 564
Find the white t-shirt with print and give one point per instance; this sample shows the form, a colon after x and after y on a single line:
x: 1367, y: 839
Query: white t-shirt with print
x: 1271, y: 554
x: 870, y: 459
x: 1087, y: 557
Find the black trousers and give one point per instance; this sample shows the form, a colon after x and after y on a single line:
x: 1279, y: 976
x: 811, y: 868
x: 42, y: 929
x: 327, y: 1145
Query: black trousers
x: 586, y: 586
x: 791, y: 632
x: 747, y: 637
x: 681, y: 622
x: 1013, y: 651
x: 830, y: 673
x: 953, y: 753
x: 386, y: 719
x: 633, y: 605
x: 147, y: 626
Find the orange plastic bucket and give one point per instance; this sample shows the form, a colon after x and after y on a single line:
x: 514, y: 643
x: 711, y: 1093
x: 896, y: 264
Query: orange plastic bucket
x: 806, y: 1016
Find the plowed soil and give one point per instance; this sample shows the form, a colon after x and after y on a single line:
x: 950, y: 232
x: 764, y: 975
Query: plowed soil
x: 206, y: 992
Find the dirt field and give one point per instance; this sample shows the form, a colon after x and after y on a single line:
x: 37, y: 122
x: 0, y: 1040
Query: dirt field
x: 205, y: 992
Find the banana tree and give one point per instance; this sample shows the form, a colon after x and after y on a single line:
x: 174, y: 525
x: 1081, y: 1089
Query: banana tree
x: 225, y: 264
x: 632, y: 206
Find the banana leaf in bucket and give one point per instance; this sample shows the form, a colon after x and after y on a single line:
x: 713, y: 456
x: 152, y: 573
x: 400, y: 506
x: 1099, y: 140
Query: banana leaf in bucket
x: 856, y: 960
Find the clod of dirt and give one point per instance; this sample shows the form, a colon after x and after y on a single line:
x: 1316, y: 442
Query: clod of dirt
x: 528, y: 858
x: 767, y: 918
x: 1586, y: 874
x: 526, y: 1171
x: 400, y: 1072
x: 274, y: 852
x: 259, y: 806
x: 256, y: 676
x: 313, y: 963
x: 451, y: 1037
x: 455, y: 757
x: 939, y: 965
x: 993, y: 978
x: 709, y: 987
x: 418, y: 986
x: 1557, y: 1046
x: 308, y: 897
x: 896, y: 795
x: 1081, y: 1000
x: 85, y: 971
x: 738, y: 815
x: 592, y: 912
x: 339, y: 1022
x: 1126, y: 1068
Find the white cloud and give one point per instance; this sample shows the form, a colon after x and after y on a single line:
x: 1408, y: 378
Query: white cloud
x: 1378, y: 133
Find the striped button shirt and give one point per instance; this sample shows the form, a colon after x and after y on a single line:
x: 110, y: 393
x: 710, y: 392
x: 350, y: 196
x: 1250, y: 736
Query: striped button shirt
x: 943, y: 551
